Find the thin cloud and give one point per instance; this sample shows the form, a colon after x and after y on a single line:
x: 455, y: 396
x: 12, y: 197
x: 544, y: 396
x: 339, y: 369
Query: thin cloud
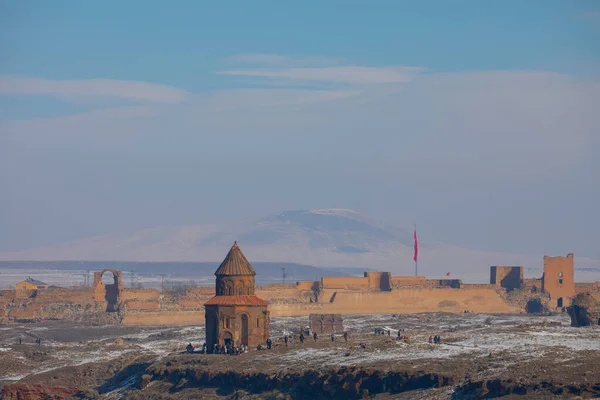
x: 341, y: 75
x: 590, y: 15
x: 108, y: 88
x: 281, y: 60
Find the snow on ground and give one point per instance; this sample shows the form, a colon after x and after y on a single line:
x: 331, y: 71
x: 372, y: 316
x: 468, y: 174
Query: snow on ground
x: 99, y: 344
x: 473, y: 335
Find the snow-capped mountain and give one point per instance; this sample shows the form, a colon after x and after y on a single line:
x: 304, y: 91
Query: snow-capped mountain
x: 324, y: 237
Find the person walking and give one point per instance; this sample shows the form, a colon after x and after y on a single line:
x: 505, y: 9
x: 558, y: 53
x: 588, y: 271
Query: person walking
x: 430, y: 339
x: 315, y: 336
x: 301, y: 337
x: 269, y: 343
x: 332, y: 337
x: 285, y: 339
x: 346, y: 336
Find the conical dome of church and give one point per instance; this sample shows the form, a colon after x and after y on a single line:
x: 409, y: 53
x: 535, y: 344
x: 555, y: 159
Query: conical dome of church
x: 235, y: 263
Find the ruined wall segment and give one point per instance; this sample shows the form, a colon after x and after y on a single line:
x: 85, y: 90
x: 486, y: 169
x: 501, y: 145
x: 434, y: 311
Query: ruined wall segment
x: 509, y: 278
x: 111, y: 294
x: 325, y: 324
x: 584, y: 310
x: 140, y: 294
x: 559, y: 280
x: 344, y: 282
x: 379, y: 280
x: 533, y: 283
x: 308, y: 285
x: 587, y: 287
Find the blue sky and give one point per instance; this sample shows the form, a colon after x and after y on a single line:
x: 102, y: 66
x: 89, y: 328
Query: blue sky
x: 475, y: 119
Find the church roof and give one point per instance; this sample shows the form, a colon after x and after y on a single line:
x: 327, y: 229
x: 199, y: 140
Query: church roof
x: 235, y: 263
x: 236, y: 301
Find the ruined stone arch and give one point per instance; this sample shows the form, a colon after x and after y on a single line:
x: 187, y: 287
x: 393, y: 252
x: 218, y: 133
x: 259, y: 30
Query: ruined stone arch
x: 109, y: 293
x: 534, y: 306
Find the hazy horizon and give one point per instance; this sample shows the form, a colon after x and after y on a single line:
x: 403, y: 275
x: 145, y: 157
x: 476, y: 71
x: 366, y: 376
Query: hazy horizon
x: 479, y: 124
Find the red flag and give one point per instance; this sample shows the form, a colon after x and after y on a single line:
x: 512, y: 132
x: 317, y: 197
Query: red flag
x: 448, y: 274
x: 416, y: 246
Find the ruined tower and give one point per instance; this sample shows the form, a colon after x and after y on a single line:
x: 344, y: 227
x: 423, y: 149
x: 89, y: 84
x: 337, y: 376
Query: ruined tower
x: 559, y: 280
x: 235, y: 315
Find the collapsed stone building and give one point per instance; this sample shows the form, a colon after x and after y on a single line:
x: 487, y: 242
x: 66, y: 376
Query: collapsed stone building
x: 326, y: 323
x: 584, y: 310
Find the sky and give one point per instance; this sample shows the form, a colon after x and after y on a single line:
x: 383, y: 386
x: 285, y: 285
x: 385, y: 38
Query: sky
x: 478, y: 121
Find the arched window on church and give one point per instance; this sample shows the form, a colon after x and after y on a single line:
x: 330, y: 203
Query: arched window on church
x: 221, y: 290
x: 258, y: 322
x: 229, y: 289
x: 240, y: 288
x: 227, y: 323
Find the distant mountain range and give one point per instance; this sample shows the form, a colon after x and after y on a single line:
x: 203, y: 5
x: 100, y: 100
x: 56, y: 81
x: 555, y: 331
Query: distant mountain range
x: 331, y: 238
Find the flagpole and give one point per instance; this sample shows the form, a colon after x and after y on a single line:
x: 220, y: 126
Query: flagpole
x: 416, y: 256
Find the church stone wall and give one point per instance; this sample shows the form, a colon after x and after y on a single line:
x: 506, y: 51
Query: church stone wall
x: 225, y: 322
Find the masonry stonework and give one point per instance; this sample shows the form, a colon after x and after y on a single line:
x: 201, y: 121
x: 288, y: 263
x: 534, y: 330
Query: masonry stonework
x: 325, y: 324
x: 235, y: 316
x: 559, y: 280
x: 109, y: 293
x: 509, y: 278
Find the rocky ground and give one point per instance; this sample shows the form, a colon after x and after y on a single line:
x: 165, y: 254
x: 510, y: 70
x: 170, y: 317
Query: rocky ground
x: 480, y: 356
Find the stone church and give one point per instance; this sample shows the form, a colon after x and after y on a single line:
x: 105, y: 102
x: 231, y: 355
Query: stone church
x: 235, y: 315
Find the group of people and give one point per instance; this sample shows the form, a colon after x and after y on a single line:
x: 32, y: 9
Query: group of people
x: 223, y: 349
x: 435, y: 339
x: 290, y: 338
x: 230, y: 349
x: 38, y: 341
x: 191, y: 349
x: 400, y: 336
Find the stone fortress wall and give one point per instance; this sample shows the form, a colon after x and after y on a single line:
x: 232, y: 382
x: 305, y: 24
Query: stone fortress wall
x: 373, y: 293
